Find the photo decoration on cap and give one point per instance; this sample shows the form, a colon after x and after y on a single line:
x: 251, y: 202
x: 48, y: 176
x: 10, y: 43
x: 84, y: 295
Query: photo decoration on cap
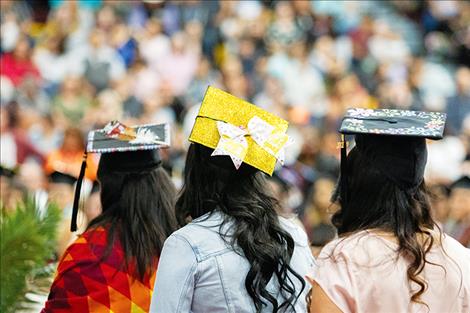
x: 394, y: 122
x: 240, y: 130
x: 117, y: 137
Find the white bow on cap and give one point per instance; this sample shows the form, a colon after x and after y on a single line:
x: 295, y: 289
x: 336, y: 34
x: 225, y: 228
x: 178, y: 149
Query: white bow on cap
x: 233, y: 143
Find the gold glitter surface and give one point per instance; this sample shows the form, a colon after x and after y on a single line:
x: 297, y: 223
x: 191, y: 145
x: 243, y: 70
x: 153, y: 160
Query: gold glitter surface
x: 219, y: 105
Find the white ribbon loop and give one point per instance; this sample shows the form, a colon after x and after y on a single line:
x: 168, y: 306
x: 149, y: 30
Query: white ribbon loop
x: 259, y: 130
x: 234, y: 144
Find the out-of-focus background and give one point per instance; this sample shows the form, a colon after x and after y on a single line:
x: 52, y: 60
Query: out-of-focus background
x: 71, y: 66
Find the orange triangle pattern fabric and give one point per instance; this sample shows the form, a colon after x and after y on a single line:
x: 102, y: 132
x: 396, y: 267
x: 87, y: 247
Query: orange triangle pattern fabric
x: 87, y: 283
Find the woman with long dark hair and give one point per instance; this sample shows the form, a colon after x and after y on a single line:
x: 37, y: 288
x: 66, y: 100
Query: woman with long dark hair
x: 235, y: 254
x: 390, y: 256
x: 112, y: 265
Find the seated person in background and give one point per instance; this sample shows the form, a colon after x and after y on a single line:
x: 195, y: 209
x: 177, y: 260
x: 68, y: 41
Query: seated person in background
x: 68, y: 158
x: 60, y: 193
x: 317, y: 215
x: 458, y: 224
x: 321, y: 234
x: 15, y: 146
x: 439, y: 200
x: 12, y: 192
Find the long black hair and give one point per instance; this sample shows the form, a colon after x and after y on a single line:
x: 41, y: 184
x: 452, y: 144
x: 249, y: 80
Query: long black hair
x: 138, y: 210
x: 375, y: 202
x: 213, y: 183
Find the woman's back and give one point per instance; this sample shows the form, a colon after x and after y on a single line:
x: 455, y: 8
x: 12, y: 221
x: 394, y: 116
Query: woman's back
x: 201, y: 273
x: 363, y: 273
x: 87, y: 282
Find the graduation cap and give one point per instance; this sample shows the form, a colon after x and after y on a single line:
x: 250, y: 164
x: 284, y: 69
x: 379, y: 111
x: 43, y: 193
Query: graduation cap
x: 238, y: 129
x: 461, y: 183
x: 393, y: 141
x: 62, y: 178
x: 7, y: 172
x: 124, y: 149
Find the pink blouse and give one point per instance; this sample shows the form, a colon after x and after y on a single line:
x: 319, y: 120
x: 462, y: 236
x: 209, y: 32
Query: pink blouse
x: 363, y: 273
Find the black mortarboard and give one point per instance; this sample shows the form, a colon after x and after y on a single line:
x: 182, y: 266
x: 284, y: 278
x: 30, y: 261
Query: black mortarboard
x: 461, y: 183
x: 123, y: 149
x: 6, y: 172
x: 393, y: 141
x: 62, y: 178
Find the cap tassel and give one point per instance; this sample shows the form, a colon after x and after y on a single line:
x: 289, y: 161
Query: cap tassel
x: 76, y: 199
x: 343, y: 169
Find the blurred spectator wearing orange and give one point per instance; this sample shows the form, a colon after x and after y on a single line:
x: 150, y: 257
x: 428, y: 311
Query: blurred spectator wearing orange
x: 68, y: 158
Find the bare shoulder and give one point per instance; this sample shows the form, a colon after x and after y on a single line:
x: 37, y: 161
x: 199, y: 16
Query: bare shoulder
x: 321, y: 303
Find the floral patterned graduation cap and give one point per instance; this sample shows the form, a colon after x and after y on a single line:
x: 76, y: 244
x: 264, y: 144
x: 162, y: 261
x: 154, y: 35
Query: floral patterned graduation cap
x: 394, y: 123
x: 240, y: 130
x: 124, y: 149
x: 393, y: 141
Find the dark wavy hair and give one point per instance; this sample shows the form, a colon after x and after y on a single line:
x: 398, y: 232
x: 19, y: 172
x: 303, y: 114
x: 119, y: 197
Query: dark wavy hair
x: 138, y: 210
x: 374, y: 201
x: 213, y: 183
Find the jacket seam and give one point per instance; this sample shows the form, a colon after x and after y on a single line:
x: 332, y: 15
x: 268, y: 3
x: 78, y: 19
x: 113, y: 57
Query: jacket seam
x: 195, y: 251
x: 215, y: 254
x: 186, y: 287
x: 227, y: 299
x: 191, y: 271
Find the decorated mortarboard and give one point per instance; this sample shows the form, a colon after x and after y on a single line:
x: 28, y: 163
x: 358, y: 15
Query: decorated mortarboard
x: 393, y: 141
x: 394, y: 123
x: 123, y: 149
x: 117, y: 137
x: 238, y: 129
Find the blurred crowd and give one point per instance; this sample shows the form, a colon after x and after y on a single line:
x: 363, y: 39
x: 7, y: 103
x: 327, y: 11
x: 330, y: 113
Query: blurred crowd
x: 71, y: 66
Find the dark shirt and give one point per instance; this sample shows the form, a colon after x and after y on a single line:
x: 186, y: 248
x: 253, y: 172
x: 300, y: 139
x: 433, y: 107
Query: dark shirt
x: 458, y: 107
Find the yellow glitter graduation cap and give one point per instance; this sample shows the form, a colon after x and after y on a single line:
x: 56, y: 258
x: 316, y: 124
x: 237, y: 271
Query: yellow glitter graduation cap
x: 240, y: 130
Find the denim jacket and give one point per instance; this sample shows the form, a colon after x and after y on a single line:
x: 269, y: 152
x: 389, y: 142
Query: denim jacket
x: 199, y: 273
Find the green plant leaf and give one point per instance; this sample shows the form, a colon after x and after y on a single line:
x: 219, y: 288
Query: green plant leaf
x: 27, y: 242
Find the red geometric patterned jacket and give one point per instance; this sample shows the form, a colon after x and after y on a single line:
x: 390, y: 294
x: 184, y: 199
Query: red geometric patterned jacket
x: 86, y: 284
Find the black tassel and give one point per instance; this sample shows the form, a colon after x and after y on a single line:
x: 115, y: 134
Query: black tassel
x: 343, y: 174
x: 76, y: 199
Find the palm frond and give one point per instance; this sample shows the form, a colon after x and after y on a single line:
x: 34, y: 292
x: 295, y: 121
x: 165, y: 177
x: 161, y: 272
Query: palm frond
x: 27, y: 242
